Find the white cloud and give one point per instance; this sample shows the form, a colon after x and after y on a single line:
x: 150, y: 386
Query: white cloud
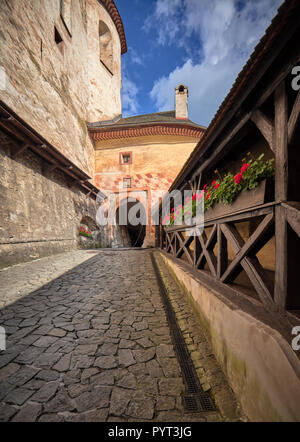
x: 226, y: 36
x: 135, y: 57
x: 165, y: 15
x: 130, y: 104
x: 130, y: 90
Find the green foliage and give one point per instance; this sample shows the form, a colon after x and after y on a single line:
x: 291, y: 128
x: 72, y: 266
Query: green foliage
x: 228, y: 190
x: 225, y: 190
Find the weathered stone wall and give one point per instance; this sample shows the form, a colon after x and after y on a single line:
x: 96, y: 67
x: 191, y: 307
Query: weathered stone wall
x: 104, y: 85
x: 39, y: 213
x: 53, y: 86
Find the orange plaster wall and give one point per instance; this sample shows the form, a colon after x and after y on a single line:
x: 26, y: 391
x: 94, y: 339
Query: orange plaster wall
x: 156, y: 161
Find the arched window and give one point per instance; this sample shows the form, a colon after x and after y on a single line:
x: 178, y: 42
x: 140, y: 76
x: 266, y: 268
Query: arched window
x: 66, y: 14
x: 106, y: 46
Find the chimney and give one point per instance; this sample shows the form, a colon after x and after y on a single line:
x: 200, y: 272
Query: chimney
x: 181, y: 102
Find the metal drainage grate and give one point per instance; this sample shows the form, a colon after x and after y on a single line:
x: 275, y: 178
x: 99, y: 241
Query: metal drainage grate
x: 193, y: 403
x: 195, y: 400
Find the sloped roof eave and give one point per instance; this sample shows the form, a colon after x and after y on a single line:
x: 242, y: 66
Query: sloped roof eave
x: 148, y: 129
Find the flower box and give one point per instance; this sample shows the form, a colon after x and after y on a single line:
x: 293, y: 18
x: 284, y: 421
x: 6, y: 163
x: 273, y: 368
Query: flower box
x: 262, y: 194
x: 253, y: 186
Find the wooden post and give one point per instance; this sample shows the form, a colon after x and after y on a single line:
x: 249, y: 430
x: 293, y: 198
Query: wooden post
x: 159, y: 227
x: 222, y: 253
x: 281, y: 143
x: 281, y: 194
x: 281, y: 258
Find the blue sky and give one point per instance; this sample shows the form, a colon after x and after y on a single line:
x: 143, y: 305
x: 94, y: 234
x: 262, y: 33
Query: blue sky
x: 201, y: 43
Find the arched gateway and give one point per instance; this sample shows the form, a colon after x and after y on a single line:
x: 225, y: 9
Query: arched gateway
x: 131, y: 220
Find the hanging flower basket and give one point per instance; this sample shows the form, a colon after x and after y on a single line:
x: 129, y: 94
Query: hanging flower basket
x: 86, y: 233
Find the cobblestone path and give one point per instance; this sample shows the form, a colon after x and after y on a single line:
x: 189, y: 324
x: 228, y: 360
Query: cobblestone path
x: 93, y: 344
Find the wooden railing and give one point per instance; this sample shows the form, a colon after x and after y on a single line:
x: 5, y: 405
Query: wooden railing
x: 212, y: 249
x: 276, y: 288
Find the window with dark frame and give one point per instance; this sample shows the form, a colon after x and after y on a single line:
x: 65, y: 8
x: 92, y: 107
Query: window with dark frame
x: 127, y: 183
x: 106, y: 47
x: 125, y: 158
x: 58, y: 40
x: 66, y: 14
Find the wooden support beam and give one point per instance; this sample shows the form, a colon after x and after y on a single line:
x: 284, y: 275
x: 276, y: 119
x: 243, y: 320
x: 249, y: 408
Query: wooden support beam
x: 223, y: 143
x: 209, y: 254
x: 183, y: 247
x: 192, y: 185
x: 170, y: 241
x: 222, y: 253
x: 20, y: 149
x: 252, y: 243
x: 293, y: 218
x: 50, y: 169
x: 197, y: 251
x: 266, y: 127
x: 252, y: 267
x: 281, y: 258
x: 72, y: 183
x: 294, y: 119
x: 14, y: 132
x: 209, y: 245
x: 199, y: 181
x: 281, y: 143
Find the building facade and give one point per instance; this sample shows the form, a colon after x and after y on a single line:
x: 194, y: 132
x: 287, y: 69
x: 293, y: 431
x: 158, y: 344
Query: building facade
x: 137, y: 159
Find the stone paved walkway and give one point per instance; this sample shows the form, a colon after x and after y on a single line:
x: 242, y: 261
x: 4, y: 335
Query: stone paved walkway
x: 92, y: 344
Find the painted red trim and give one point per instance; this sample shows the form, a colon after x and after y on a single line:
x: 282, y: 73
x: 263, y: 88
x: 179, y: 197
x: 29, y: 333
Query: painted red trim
x: 185, y: 131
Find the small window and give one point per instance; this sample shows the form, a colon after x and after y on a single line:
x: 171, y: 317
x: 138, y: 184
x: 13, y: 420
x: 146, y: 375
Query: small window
x: 66, y: 14
x: 127, y: 183
x: 106, y: 46
x: 58, y: 40
x: 126, y: 158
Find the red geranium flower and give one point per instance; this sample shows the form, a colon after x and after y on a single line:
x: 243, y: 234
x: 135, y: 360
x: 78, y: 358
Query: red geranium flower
x: 208, y: 196
x: 245, y: 167
x: 194, y: 197
x: 205, y: 187
x: 217, y: 186
x: 238, y: 178
x: 213, y: 183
